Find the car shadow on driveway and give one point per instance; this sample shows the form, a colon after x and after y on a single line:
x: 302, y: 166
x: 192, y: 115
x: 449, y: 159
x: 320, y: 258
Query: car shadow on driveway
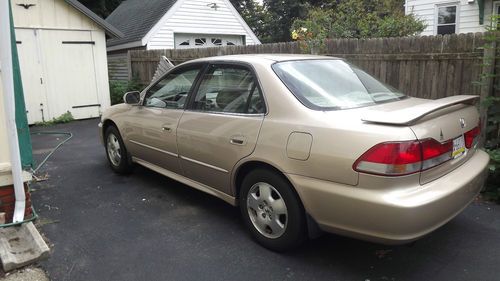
x: 103, y: 226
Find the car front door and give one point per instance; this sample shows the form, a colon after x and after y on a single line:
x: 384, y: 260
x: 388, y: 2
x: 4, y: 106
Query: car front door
x: 152, y: 126
x: 221, y: 124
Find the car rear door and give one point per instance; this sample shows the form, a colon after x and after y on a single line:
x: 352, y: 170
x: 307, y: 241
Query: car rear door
x: 221, y: 124
x: 152, y: 126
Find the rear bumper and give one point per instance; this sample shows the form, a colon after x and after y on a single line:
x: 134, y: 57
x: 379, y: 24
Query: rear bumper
x: 395, y: 215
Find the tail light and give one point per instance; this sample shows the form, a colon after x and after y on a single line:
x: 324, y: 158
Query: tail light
x: 403, y: 158
x: 472, y: 136
x: 435, y: 153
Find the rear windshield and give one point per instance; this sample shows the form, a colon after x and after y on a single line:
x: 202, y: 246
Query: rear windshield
x: 333, y: 84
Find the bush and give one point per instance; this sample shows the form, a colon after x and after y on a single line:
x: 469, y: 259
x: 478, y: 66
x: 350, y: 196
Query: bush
x: 64, y: 118
x: 492, y: 145
x: 491, y: 105
x: 359, y: 19
x: 118, y: 88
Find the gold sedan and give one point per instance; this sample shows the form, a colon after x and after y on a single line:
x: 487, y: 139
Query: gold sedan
x: 304, y: 144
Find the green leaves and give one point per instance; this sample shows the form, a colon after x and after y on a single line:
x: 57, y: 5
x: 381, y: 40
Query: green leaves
x: 63, y: 118
x: 118, y: 88
x: 494, y: 155
x: 360, y: 19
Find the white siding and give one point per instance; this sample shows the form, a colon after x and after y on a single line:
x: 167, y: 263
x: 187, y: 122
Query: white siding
x: 196, y: 17
x: 50, y: 14
x: 468, y: 14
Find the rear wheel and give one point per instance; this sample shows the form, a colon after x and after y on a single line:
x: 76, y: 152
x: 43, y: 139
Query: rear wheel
x: 272, y: 211
x: 116, y: 152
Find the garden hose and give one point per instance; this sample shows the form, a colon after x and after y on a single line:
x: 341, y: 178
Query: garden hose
x: 34, y: 214
x: 33, y: 217
x: 70, y: 135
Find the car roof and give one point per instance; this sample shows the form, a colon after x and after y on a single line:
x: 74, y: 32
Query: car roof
x: 262, y: 57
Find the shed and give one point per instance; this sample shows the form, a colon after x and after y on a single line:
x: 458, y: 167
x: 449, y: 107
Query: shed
x: 62, y: 54
x: 173, y: 24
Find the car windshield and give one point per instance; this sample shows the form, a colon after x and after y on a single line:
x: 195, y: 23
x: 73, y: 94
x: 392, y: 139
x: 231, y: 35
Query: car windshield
x: 333, y: 84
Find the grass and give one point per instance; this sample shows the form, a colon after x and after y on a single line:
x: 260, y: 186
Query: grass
x: 64, y: 118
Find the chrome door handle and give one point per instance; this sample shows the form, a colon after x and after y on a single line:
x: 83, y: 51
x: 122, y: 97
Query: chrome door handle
x: 237, y: 140
x: 166, y: 129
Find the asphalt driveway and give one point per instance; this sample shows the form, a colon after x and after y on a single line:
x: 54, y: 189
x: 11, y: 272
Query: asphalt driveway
x: 103, y: 226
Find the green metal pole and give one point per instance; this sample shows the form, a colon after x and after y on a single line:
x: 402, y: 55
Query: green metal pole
x: 23, y: 130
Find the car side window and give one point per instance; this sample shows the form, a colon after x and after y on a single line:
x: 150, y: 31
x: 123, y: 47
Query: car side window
x: 230, y: 89
x: 172, y: 91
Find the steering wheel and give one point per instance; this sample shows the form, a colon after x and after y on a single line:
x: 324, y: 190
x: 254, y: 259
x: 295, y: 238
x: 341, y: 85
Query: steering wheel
x: 180, y: 95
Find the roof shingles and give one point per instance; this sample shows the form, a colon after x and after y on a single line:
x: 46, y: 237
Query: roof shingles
x: 135, y: 18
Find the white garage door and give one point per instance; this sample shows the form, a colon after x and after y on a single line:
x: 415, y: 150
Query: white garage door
x: 184, y: 41
x: 65, y: 68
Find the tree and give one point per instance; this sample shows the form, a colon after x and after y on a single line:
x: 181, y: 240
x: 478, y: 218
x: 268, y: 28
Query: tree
x: 359, y: 19
x: 102, y: 8
x: 282, y: 13
x: 256, y: 16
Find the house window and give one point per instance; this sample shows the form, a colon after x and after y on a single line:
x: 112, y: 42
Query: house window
x: 447, y: 19
x: 229, y: 43
x: 200, y: 41
x: 217, y: 41
x: 185, y: 43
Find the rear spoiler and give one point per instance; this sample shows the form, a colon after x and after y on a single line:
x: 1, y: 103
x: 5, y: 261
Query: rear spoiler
x: 407, y: 116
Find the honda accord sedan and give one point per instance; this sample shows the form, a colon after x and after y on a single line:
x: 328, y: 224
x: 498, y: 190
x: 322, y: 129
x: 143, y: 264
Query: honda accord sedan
x: 304, y: 145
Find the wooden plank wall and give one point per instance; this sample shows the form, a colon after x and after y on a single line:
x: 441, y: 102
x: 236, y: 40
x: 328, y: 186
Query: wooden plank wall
x: 428, y: 66
x: 118, y: 67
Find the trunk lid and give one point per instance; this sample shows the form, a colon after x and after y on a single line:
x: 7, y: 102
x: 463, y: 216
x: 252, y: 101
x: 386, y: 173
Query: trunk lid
x: 409, y: 115
x: 444, y: 120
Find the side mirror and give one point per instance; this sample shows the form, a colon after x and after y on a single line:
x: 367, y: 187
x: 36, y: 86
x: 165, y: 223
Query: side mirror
x: 132, y: 97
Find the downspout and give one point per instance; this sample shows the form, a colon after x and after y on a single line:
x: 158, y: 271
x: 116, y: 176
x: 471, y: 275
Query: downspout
x: 6, y: 73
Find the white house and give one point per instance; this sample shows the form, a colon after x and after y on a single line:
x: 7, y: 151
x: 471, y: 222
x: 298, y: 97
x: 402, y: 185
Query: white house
x: 449, y: 16
x: 174, y: 24
x: 62, y: 55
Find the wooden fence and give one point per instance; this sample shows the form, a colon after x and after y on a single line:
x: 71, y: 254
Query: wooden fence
x: 427, y: 67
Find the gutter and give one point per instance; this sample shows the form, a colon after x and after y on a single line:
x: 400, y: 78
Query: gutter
x: 129, y: 45
x: 6, y: 73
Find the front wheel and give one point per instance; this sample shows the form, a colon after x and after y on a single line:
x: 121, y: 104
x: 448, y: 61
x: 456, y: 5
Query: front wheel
x: 116, y: 152
x: 272, y: 211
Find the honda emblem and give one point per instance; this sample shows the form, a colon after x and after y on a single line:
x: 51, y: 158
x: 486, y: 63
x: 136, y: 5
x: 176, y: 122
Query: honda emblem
x: 462, y: 123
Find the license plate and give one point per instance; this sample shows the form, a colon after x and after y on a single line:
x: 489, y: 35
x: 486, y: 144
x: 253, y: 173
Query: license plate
x: 458, y: 147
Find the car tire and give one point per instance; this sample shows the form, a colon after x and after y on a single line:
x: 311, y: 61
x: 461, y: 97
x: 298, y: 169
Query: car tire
x: 116, y: 152
x: 272, y: 210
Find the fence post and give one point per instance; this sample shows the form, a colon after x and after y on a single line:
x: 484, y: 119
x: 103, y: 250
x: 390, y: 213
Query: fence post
x: 129, y: 65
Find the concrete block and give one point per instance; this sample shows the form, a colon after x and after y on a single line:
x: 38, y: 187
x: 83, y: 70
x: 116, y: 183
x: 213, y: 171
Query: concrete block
x: 27, y: 274
x: 21, y: 245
